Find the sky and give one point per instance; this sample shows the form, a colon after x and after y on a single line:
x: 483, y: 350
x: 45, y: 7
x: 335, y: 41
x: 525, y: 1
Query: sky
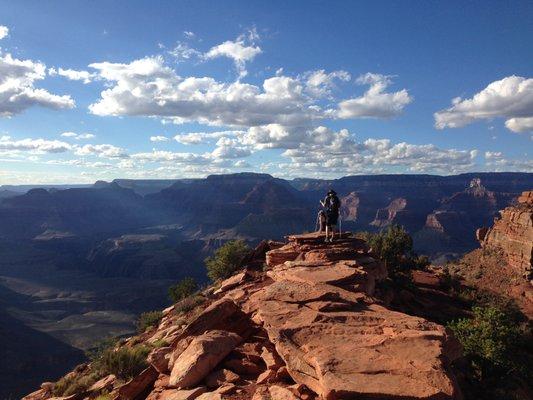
x: 95, y: 90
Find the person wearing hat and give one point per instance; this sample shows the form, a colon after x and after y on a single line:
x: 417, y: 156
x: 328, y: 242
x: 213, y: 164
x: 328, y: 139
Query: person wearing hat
x: 332, y: 205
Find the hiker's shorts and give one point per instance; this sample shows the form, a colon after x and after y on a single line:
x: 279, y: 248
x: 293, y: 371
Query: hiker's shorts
x: 331, y: 219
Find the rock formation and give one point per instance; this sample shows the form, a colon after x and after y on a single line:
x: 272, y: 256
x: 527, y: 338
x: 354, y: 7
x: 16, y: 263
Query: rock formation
x: 307, y: 327
x: 513, y: 233
x: 385, y: 216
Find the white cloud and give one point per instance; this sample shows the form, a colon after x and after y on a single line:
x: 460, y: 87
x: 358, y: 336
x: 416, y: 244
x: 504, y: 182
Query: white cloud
x: 227, y: 148
x: 86, y: 136
x: 147, y: 87
x: 189, y: 34
x: 17, y: 91
x: 495, y: 161
x: 319, y: 83
x: 101, y: 150
x: 80, y: 163
x: 183, y: 52
x: 73, y: 75
x: 169, y: 156
x: 34, y: 145
x: 510, y: 98
x: 375, y: 103
x: 239, y: 51
x: 4, y: 31
x: 203, y: 137
x: 520, y: 125
x: 337, y: 153
x: 81, y: 136
x: 158, y: 139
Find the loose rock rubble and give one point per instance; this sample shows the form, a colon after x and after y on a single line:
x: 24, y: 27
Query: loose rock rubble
x: 306, y: 328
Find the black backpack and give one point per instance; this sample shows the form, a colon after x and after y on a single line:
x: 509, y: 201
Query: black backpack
x: 334, y: 204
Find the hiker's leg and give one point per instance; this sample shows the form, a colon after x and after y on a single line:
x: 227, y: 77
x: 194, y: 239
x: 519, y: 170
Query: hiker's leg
x: 327, y: 232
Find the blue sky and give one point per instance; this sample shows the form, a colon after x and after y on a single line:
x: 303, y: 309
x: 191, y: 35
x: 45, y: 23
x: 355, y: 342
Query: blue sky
x: 131, y: 89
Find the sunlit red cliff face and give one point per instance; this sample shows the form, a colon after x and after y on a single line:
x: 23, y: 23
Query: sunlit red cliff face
x: 503, y: 264
x: 512, y: 232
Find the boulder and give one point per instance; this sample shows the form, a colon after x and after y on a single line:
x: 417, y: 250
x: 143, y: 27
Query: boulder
x: 177, y: 394
x: 223, y: 314
x: 261, y: 393
x: 265, y: 377
x: 220, y: 377
x: 210, y: 396
x: 201, y: 357
x: 159, y: 359
x: 232, y: 282
x: 138, y: 385
x: 271, y: 358
x: 281, y: 393
x: 106, y: 383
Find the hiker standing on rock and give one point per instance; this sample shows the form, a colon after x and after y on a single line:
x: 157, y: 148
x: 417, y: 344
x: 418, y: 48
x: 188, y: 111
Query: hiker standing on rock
x: 332, y: 205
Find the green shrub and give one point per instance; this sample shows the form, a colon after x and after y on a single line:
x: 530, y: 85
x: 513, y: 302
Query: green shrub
x: 72, y: 384
x: 188, y: 304
x: 488, y: 338
x: 184, y: 288
x: 125, y: 362
x: 226, y: 260
x: 160, y: 343
x: 96, y: 352
x: 394, y: 246
x: 148, y: 319
x: 391, y: 244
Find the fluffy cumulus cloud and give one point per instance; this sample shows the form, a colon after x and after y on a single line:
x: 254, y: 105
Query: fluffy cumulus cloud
x: 73, y: 75
x: 101, y: 150
x: 34, y: 145
x: 4, y: 31
x: 78, y: 136
x: 339, y: 153
x: 283, y: 116
x: 510, y: 98
x: 204, y: 137
x: 496, y: 161
x: 17, y: 87
x: 239, y: 51
x: 183, y: 52
x: 158, y: 138
x: 283, y: 113
x: 375, y: 102
x: 147, y: 87
x: 320, y: 83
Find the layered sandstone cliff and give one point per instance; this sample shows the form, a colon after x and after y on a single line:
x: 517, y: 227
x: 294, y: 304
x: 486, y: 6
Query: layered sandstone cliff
x: 304, y: 326
x: 513, y: 233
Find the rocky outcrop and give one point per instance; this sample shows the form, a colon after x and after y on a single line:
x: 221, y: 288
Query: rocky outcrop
x: 305, y: 328
x: 385, y: 216
x: 513, y: 233
x: 318, y: 312
x: 350, y: 204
